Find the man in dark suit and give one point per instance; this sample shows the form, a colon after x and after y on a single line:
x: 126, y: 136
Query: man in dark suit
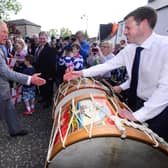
x: 46, y: 65
x: 8, y: 111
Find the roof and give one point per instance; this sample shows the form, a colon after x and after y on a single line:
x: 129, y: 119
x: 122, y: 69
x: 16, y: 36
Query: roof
x: 158, y: 4
x: 23, y: 22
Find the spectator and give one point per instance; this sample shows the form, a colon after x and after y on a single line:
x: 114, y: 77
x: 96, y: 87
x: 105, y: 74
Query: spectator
x: 29, y: 92
x: 46, y: 65
x: 77, y: 59
x: 20, y: 53
x: 84, y: 45
x: 95, y: 56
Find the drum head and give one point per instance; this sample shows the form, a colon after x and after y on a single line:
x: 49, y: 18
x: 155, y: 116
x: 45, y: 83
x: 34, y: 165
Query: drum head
x: 110, y: 152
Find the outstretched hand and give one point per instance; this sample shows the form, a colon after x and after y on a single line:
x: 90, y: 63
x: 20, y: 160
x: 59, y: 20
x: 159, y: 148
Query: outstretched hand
x: 117, y: 89
x: 36, y: 80
x: 72, y: 75
x: 123, y: 113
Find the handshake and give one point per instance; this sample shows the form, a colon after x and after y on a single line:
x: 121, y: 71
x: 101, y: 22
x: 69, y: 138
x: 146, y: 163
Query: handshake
x: 72, y: 75
x: 36, y: 80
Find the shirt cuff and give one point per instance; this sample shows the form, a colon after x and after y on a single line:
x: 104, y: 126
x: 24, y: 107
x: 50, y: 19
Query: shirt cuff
x: 29, y: 80
x: 140, y: 115
x: 84, y: 73
x: 125, y: 85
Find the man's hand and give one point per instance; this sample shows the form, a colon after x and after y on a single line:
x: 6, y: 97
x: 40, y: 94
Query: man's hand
x: 36, y: 80
x: 116, y: 89
x: 126, y: 114
x: 72, y: 75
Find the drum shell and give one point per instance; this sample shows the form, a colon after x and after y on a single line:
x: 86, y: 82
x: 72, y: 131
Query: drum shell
x: 109, y: 152
x: 101, y: 146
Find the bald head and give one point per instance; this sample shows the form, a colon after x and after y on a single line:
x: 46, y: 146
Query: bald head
x: 3, y: 32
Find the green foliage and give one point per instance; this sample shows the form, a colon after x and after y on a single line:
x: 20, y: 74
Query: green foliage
x: 7, y: 7
x: 65, y: 32
x: 86, y: 34
x: 53, y: 32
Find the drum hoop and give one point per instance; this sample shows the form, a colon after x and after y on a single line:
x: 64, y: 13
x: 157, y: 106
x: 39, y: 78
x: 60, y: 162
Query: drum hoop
x: 104, y: 131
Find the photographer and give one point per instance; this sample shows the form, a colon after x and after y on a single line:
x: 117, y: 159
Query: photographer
x: 95, y: 56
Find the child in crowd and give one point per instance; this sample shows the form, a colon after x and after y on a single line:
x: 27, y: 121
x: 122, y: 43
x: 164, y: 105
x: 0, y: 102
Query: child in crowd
x: 20, y: 53
x: 71, y: 59
x: 29, y: 92
x: 77, y: 59
x: 67, y: 58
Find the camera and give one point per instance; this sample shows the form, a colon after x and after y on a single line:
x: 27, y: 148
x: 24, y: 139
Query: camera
x: 94, y: 50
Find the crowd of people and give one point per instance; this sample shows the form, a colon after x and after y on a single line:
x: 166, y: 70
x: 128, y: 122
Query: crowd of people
x: 72, y: 57
x: 54, y: 57
x: 51, y: 58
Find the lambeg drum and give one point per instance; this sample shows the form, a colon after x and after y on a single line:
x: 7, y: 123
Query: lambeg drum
x: 88, y: 133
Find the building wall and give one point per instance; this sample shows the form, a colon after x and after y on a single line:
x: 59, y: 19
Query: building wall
x: 21, y: 28
x: 162, y: 24
x: 120, y: 32
x: 156, y: 4
x: 32, y: 30
x: 28, y: 30
x: 162, y: 10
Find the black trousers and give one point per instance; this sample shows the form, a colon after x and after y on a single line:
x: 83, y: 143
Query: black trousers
x: 46, y: 91
x: 158, y: 124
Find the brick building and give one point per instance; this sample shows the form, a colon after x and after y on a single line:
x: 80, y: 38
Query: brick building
x: 25, y: 27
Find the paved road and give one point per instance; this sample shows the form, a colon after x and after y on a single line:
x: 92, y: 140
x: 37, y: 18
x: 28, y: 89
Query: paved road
x: 29, y: 151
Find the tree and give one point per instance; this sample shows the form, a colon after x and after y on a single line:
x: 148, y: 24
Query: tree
x: 7, y: 7
x: 65, y: 32
x: 53, y: 32
x: 86, y: 34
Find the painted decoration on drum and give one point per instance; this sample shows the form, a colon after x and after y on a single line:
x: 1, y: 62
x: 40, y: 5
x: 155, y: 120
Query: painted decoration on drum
x: 84, y: 113
x: 85, y: 118
x: 96, y: 111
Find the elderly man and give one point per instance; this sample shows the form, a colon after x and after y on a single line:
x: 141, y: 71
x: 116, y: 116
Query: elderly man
x: 8, y: 111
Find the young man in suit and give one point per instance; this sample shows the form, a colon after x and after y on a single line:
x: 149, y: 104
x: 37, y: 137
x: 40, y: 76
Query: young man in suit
x: 8, y: 111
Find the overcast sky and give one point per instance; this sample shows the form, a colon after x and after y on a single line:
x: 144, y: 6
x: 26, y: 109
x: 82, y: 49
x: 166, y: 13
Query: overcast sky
x: 67, y: 13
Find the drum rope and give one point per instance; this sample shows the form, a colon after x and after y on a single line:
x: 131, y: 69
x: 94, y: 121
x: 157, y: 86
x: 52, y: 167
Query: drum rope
x: 80, y: 80
x: 76, y: 114
x: 59, y: 126
x: 153, y: 136
x: 54, y: 134
x: 70, y: 123
x: 93, y: 115
x: 119, y: 123
x: 142, y: 128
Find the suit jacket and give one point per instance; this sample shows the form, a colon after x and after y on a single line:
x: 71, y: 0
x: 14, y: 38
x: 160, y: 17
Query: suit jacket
x: 7, y: 74
x: 46, y: 62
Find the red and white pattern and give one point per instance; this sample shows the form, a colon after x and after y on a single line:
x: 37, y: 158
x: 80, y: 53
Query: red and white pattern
x: 16, y: 94
x: 11, y: 62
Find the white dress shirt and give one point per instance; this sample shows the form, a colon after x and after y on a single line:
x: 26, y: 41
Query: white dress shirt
x: 153, y: 77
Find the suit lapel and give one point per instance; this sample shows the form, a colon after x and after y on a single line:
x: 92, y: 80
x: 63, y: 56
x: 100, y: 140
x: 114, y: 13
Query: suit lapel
x: 3, y: 54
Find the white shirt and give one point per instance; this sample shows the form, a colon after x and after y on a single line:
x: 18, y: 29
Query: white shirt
x: 153, y: 74
x: 106, y: 58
